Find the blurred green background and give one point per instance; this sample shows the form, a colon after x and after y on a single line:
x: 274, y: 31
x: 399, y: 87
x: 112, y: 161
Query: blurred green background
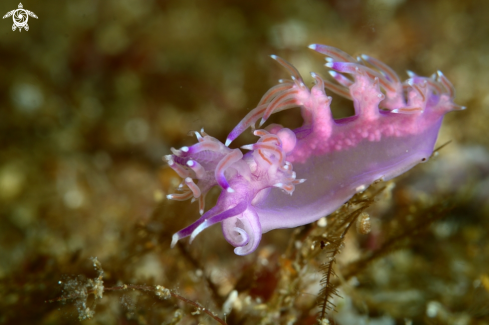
x: 96, y: 92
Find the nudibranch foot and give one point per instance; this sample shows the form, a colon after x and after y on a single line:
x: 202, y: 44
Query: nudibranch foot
x: 394, y: 128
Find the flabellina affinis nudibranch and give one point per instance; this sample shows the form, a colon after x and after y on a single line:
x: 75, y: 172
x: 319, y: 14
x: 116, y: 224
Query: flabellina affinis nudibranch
x: 290, y: 178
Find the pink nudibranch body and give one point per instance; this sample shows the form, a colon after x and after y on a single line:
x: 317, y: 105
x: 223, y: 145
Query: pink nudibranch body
x: 289, y: 178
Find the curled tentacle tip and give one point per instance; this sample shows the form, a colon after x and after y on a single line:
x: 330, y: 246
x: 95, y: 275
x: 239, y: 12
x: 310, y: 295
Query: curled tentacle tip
x: 230, y: 190
x: 184, y: 149
x: 169, y: 196
x: 329, y: 59
x: 395, y: 110
x: 262, y: 121
x: 439, y: 73
x: 247, y: 147
x: 463, y: 108
x: 365, y: 57
x: 273, y: 56
x: 167, y: 157
x: 329, y: 65
x: 228, y: 142
x: 201, y: 211
x: 313, y: 74
x: 313, y: 46
x: 333, y: 73
x: 174, y: 240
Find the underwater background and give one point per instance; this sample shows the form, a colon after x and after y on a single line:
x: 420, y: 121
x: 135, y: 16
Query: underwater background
x: 96, y: 92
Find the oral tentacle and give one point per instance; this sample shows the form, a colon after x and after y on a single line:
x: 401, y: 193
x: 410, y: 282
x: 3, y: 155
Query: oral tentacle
x: 187, y: 231
x: 236, y: 210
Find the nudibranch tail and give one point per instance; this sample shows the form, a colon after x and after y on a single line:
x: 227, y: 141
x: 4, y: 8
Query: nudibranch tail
x: 395, y: 127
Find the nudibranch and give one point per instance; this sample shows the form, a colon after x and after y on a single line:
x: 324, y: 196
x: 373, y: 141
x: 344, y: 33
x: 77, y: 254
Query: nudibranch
x: 289, y: 178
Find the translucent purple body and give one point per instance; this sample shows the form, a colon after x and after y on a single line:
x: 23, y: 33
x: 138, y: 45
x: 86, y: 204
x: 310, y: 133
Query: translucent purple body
x: 289, y: 177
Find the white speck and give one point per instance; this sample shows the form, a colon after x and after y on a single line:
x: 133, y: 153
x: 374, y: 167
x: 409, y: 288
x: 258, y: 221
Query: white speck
x: 322, y: 222
x: 360, y: 188
x: 184, y: 149
x: 73, y: 198
x: 27, y: 97
x: 432, y: 309
x: 228, y: 304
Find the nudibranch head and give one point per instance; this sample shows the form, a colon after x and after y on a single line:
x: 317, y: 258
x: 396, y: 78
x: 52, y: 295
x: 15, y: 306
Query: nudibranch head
x: 245, y: 180
x: 394, y: 128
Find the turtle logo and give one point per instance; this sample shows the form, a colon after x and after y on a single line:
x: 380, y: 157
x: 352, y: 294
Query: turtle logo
x: 20, y: 17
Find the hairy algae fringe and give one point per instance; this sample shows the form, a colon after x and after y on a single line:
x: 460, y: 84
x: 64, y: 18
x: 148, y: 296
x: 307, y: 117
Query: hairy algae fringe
x: 79, y: 291
x: 328, y: 289
x: 333, y: 240
x: 402, y: 231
